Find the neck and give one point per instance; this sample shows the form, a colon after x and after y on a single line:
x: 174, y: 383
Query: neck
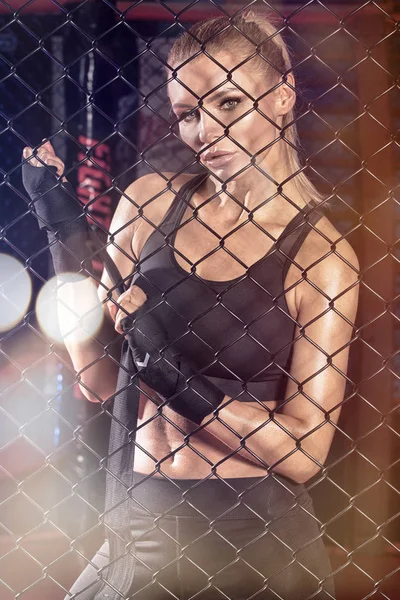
x: 253, y: 191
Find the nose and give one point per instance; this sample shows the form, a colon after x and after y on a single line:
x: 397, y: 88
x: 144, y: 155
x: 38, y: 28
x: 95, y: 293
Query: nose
x: 209, y: 128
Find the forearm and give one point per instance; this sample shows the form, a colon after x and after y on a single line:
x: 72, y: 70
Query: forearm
x: 94, y: 354
x: 277, y: 440
x: 72, y: 247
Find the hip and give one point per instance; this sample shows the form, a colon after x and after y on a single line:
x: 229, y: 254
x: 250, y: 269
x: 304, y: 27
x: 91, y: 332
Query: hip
x: 189, y: 556
x: 216, y: 498
x: 241, y: 536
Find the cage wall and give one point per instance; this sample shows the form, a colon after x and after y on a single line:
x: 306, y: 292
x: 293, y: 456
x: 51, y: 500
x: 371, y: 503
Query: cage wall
x: 89, y: 77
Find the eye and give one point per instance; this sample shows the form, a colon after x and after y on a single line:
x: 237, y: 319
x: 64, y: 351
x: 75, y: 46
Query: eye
x: 227, y: 104
x: 189, y: 115
x: 230, y: 103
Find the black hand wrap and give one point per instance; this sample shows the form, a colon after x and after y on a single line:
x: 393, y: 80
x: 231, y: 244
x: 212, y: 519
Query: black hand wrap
x: 166, y: 371
x: 54, y: 201
x: 61, y: 214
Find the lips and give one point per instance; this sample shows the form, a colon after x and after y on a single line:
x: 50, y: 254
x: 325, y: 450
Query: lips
x: 217, y: 159
x: 207, y: 156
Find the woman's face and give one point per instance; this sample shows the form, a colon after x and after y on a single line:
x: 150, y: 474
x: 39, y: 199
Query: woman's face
x: 226, y: 105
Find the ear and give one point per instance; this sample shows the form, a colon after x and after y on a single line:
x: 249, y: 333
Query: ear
x: 285, y: 96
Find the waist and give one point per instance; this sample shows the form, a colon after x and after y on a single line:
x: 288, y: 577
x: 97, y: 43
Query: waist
x: 235, y: 498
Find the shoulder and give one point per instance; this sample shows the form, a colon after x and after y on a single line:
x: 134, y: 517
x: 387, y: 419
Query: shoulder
x: 143, y: 203
x: 330, y: 268
x: 147, y: 196
x: 142, y: 206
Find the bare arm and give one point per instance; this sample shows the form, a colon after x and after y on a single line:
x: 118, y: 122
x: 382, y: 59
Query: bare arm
x: 96, y: 360
x: 295, y: 441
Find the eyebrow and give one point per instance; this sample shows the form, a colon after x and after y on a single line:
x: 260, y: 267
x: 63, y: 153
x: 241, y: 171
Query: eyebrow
x: 216, y: 96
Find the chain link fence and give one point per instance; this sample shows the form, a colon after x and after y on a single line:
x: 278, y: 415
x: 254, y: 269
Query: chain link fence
x: 90, y: 77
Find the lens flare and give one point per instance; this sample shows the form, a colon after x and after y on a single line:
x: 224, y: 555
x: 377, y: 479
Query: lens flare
x: 68, y: 309
x: 15, y: 291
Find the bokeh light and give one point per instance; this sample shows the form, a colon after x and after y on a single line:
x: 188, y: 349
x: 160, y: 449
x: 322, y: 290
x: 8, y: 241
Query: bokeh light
x: 68, y: 308
x: 15, y: 291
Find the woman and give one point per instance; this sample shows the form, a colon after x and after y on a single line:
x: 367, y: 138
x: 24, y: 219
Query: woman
x: 257, y: 301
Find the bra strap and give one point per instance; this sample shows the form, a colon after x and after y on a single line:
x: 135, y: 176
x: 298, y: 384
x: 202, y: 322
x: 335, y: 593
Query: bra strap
x: 186, y: 192
x: 298, y: 231
x: 98, y: 247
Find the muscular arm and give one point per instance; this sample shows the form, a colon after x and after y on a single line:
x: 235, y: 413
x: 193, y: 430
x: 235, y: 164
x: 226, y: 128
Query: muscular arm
x: 96, y: 361
x: 295, y: 441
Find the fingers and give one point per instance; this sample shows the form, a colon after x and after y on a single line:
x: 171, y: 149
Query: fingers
x: 44, y: 155
x: 129, y: 302
x: 48, y: 146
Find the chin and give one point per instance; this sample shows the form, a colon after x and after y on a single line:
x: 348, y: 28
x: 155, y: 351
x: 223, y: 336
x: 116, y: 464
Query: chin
x: 231, y: 173
x: 236, y: 174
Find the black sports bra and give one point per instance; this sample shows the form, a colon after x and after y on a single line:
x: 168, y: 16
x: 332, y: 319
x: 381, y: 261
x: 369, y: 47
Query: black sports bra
x: 237, y: 331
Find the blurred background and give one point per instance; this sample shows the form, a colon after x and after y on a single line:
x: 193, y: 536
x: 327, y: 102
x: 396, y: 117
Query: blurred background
x: 90, y: 74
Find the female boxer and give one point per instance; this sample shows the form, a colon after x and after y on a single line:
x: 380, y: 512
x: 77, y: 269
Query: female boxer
x: 236, y: 325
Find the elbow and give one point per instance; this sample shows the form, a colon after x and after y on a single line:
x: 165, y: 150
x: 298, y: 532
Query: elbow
x: 95, y: 395
x: 93, y: 399
x: 89, y: 394
x: 97, y: 387
x: 309, y: 458
x: 305, y: 475
x: 306, y: 469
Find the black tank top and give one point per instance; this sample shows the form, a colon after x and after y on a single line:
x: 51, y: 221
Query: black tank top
x: 235, y: 332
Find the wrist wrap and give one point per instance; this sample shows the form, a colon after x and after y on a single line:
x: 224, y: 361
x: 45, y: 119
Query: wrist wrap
x: 195, y: 396
x: 165, y: 370
x: 72, y: 243
x: 54, y: 201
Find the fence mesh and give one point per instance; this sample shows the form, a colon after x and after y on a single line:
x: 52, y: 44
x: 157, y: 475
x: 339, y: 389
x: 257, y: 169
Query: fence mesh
x: 90, y: 78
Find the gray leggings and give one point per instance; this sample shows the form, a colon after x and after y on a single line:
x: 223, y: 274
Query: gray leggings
x: 88, y: 583
x: 183, y: 558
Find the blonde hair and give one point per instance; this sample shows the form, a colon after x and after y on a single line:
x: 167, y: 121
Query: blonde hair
x: 252, y: 29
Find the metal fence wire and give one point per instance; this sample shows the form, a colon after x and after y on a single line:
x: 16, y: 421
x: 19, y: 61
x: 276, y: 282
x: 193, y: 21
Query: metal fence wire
x: 279, y: 306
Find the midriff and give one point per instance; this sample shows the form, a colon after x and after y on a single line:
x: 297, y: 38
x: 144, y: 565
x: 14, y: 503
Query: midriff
x: 165, y: 448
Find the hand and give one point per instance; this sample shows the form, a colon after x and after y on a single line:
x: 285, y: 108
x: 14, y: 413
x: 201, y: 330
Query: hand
x: 60, y: 212
x: 53, y: 201
x: 166, y: 372
x: 146, y: 336
x: 44, y: 154
x: 127, y: 303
